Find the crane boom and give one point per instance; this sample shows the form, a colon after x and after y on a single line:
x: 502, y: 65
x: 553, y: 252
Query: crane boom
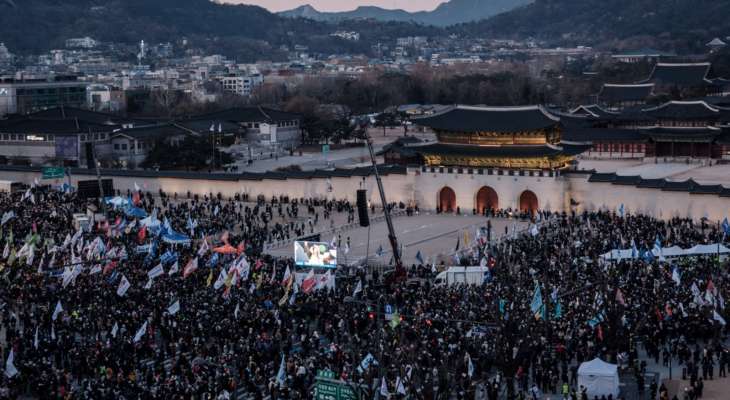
x: 386, y: 210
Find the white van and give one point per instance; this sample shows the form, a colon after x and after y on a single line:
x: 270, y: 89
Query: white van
x: 461, y: 275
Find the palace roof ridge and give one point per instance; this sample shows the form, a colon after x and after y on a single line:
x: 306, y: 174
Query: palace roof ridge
x: 682, y: 103
x: 629, y: 85
x: 684, y: 64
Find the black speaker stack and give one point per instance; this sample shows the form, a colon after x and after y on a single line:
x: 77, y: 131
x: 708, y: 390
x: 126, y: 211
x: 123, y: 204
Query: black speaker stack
x: 362, y: 207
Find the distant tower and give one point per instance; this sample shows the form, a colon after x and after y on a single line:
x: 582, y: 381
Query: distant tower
x: 142, y: 52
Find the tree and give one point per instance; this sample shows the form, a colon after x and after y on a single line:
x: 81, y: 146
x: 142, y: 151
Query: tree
x: 386, y: 120
x: 193, y: 153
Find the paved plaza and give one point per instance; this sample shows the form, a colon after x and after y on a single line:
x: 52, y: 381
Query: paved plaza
x: 434, y: 235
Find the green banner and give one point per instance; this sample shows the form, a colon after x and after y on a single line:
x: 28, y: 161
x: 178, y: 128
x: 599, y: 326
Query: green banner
x: 53, y: 172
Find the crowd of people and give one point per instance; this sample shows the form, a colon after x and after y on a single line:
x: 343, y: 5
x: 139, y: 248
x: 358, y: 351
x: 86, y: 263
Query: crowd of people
x: 114, y: 311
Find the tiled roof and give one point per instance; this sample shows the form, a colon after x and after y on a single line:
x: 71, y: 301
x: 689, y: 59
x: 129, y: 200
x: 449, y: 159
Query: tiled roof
x: 689, y: 186
x: 496, y: 119
x: 616, y: 93
x: 680, y: 74
x: 245, y: 176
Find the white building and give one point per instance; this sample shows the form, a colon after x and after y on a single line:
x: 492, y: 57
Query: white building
x: 241, y: 85
x: 84, y: 43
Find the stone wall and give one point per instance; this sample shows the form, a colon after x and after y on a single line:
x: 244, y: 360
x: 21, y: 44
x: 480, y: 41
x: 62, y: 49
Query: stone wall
x: 423, y: 187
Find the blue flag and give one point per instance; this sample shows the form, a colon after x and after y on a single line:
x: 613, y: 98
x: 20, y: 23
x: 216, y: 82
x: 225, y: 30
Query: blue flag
x: 419, y: 257
x: 634, y: 251
x: 658, y: 246
x: 168, y: 257
x: 536, y: 300
x: 213, y: 260
x: 113, y: 277
x: 647, y: 255
x: 281, y: 375
x: 558, y: 311
x: 726, y: 227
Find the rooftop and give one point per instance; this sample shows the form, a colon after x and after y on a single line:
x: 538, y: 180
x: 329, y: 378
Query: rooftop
x: 617, y: 93
x: 684, y: 110
x: 496, y: 119
x: 681, y: 74
x: 249, y: 114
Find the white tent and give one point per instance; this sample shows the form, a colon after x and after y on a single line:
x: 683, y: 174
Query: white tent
x: 668, y: 252
x: 674, y: 251
x: 599, y: 378
x: 705, y: 249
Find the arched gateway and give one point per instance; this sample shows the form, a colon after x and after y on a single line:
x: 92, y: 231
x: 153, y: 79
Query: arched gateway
x: 528, y: 202
x: 447, y: 199
x: 487, y: 199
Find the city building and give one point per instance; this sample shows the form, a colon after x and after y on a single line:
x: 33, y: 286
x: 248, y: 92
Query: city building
x: 262, y: 125
x: 84, y: 42
x: 241, y: 85
x: 105, y: 98
x: 23, y: 96
x: 130, y: 146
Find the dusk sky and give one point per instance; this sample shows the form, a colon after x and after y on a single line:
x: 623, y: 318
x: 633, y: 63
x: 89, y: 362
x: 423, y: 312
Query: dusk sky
x: 342, y: 5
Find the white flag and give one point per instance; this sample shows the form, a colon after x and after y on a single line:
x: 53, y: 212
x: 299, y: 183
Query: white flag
x: 140, y: 332
x: 281, y: 375
x: 10, y: 370
x: 148, y: 285
x: 717, y: 317
x: 7, y: 216
x: 358, y: 288
x: 324, y: 281
x: 221, y: 279
x: 470, y: 365
x: 35, y: 339
x: 53, y: 332
x: 67, y: 275
x: 237, y: 310
x: 399, y: 387
x: 31, y: 256
x: 95, y: 270
x: 115, y: 329
x: 155, y: 272
x: 174, y: 308
x: 384, y: 388
x: 203, y: 248
x: 6, y: 251
x: 173, y: 270
x: 123, y: 286
x: 57, y: 311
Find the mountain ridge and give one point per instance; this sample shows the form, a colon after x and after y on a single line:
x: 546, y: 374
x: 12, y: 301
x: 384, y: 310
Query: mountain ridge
x: 685, y: 25
x: 449, y: 13
x: 243, y: 31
